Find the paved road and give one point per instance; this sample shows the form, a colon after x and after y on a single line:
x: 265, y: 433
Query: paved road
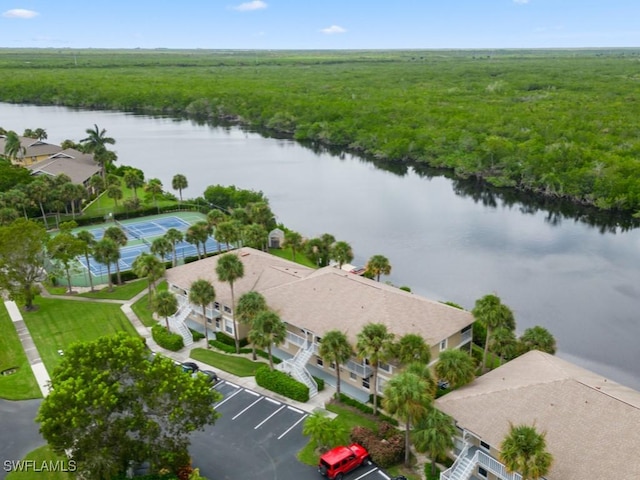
x: 19, y: 433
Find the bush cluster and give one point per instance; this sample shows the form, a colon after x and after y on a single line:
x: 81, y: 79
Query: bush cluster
x: 281, y: 383
x: 229, y: 340
x: 320, y: 383
x: 385, y: 450
x: 365, y: 408
x: 222, y: 346
x: 168, y: 340
x: 196, y: 335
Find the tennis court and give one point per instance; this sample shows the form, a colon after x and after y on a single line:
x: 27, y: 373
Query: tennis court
x: 140, y: 235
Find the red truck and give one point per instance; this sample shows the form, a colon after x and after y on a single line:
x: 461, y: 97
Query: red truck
x: 341, y: 460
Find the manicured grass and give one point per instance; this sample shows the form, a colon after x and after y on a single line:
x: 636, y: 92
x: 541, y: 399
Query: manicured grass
x: 58, y: 323
x: 142, y: 310
x: 239, y: 366
x: 21, y: 385
x: 104, y: 204
x: 287, y: 254
x: 40, y: 455
x: 120, y: 292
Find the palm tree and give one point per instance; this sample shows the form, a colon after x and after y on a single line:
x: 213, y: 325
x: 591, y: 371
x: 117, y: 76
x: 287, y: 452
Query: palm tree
x: 13, y: 148
x: 115, y: 193
x: 456, y: 367
x: 191, y: 236
x: 260, y: 213
x: 161, y: 247
x: 374, y: 343
x: 378, y: 265
x: 227, y: 232
x: 503, y: 343
x: 270, y: 330
x: 406, y: 395
x: 65, y: 247
x: 294, y: 241
x: 88, y: 242
x: 341, y: 252
x: 154, y: 189
x: 524, y: 450
x: 97, y: 184
x: 412, y: 348
x: 249, y: 305
x: 255, y: 236
x: 148, y: 266
x: 492, y: 313
x: 40, y: 134
x: 434, y: 434
x: 134, y: 179
x: 202, y: 230
x: 538, y: 338
x: 165, y: 304
x: 179, y: 182
x: 40, y: 191
x: 230, y: 269
x: 174, y: 236
x: 324, y: 431
x: 106, y: 252
x: 96, y: 143
x: 215, y: 216
x: 202, y: 293
x: 336, y: 349
x: 116, y: 234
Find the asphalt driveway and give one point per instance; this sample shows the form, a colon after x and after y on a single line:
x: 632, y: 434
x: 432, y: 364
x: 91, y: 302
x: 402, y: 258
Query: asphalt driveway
x: 19, y: 433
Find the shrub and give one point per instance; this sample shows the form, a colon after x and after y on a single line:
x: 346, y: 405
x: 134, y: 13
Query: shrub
x: 427, y: 472
x: 383, y: 451
x: 125, y: 276
x: 229, y: 340
x: 196, y: 335
x: 222, y: 346
x: 168, y: 340
x: 320, y: 383
x: 281, y: 383
x: 365, y: 408
x: 265, y: 355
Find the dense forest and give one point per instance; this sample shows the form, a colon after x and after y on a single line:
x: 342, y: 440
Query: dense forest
x: 557, y: 123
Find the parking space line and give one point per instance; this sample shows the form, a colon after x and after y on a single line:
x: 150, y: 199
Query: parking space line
x: 253, y: 393
x: 247, y: 408
x: 295, y: 409
x: 291, y: 427
x: 228, y: 398
x: 262, y: 422
x: 369, y: 473
x: 272, y: 401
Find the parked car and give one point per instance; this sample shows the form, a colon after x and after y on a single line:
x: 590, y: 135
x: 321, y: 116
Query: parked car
x: 341, y: 460
x: 212, y: 376
x: 189, y: 367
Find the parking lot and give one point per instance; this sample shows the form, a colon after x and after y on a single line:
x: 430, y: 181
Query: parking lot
x: 258, y: 437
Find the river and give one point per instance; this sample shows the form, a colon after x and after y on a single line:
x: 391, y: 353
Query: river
x: 577, y: 280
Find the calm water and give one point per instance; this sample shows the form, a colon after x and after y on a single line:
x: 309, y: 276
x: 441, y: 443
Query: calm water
x: 567, y: 276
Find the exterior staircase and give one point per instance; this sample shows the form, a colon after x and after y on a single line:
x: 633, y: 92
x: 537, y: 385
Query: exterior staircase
x: 177, y: 325
x: 296, y: 367
x: 463, y: 470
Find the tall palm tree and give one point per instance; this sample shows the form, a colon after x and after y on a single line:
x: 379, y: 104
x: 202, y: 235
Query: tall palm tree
x: 335, y: 348
x: 249, y: 305
x: 88, y: 242
x: 503, y: 343
x: 341, y: 252
x: 161, y: 247
x: 40, y: 133
x: 116, y: 234
x: 202, y: 231
x: 255, y: 236
x: 492, y: 313
x: 134, y: 179
x: 106, y: 252
x: 456, y: 367
x: 524, y: 450
x: 165, y: 304
x: 407, y: 396
x: 174, y: 236
x: 294, y: 241
x: 214, y: 218
x: 270, y: 329
x: 202, y: 293
x: 148, y: 266
x: 434, y: 434
x: 538, y: 338
x: 65, y: 247
x: 228, y: 232
x: 378, y: 265
x: 114, y: 192
x: 191, y: 236
x: 40, y: 190
x: 179, y: 182
x: 374, y: 343
x: 13, y: 148
x: 96, y: 143
x: 230, y: 269
x: 154, y: 189
x: 412, y: 348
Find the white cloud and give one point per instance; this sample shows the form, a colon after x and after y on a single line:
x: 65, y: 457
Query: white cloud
x: 333, y: 29
x: 250, y: 6
x: 521, y: 2
x: 20, y: 13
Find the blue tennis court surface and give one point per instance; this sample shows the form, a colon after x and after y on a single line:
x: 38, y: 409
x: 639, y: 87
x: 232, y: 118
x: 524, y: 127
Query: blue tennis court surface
x: 145, y: 230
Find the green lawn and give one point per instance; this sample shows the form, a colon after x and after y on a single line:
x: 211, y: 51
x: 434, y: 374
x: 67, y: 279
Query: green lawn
x: 21, y: 385
x: 40, y: 455
x: 120, y: 292
x: 142, y: 310
x: 58, y: 323
x: 239, y: 366
x: 287, y: 254
x: 104, y: 204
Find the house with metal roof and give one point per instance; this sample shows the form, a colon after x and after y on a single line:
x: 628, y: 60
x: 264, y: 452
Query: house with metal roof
x: 313, y: 301
x: 591, y: 422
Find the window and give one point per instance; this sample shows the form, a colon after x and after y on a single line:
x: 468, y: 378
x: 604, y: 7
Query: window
x: 216, y: 305
x: 365, y: 383
x: 318, y: 340
x: 228, y: 327
x: 332, y: 365
x: 485, y: 445
x: 320, y: 362
x: 217, y: 323
x: 208, y: 320
x: 385, y: 367
x: 482, y: 472
x: 227, y: 309
x: 443, y: 345
x: 352, y: 375
x: 466, y: 329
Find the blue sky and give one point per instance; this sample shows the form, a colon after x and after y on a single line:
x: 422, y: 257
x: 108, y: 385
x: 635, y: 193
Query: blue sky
x: 323, y: 24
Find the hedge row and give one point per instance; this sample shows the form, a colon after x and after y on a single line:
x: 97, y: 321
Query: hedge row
x: 229, y: 340
x: 365, y: 408
x: 196, y: 335
x: 385, y: 449
x: 222, y: 346
x: 320, y: 383
x: 168, y: 340
x: 281, y: 383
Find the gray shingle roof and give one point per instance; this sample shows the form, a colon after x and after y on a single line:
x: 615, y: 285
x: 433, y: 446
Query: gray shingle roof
x: 591, y: 422
x: 77, y: 165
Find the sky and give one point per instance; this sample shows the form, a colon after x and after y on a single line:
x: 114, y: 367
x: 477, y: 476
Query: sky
x: 320, y: 24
